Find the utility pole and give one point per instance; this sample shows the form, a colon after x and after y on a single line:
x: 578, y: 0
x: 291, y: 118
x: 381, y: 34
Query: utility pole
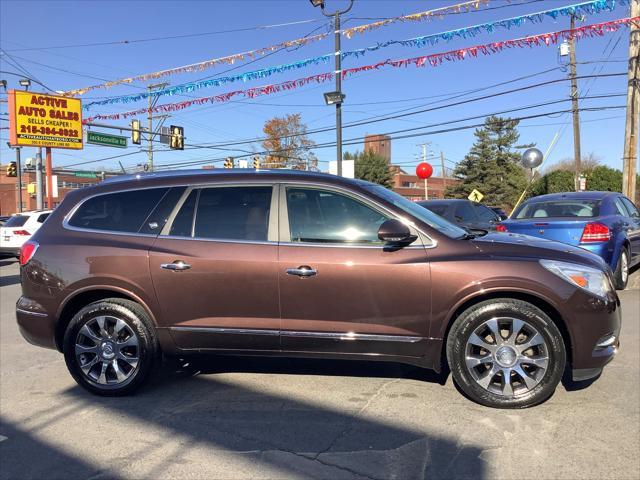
x: 630, y: 155
x: 19, y: 175
x: 444, y: 174
x: 152, y: 103
x: 49, y: 178
x: 574, y: 104
x: 39, y: 196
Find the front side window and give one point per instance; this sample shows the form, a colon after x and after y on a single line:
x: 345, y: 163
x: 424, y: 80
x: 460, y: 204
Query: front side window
x: 117, y: 212
x: 321, y: 216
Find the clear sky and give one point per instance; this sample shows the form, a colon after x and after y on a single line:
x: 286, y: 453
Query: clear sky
x: 28, y: 30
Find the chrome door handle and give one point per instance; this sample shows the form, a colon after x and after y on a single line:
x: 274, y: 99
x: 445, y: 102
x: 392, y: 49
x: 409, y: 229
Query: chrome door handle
x: 302, y: 271
x: 176, y: 266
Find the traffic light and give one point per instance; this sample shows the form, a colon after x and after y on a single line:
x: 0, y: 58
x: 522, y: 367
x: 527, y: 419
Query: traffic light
x: 228, y: 163
x: 12, y: 171
x: 135, y: 132
x: 177, y: 138
x: 256, y: 162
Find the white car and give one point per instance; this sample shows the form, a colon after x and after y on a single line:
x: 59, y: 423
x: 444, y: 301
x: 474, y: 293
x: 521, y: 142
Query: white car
x: 18, y: 229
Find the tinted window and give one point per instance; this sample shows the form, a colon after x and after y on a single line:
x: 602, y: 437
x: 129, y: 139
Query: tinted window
x: 560, y: 208
x: 182, y: 225
x: 233, y: 213
x: 633, y: 211
x: 486, y: 214
x: 465, y: 212
x: 16, y: 221
x: 117, y: 212
x: 154, y: 223
x: 437, y: 209
x: 321, y: 216
x: 43, y: 217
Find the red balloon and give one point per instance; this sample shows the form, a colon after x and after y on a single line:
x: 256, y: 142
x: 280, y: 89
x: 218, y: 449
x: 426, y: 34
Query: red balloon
x: 424, y: 170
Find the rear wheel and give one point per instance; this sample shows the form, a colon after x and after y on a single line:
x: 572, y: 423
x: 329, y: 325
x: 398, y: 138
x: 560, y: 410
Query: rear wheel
x: 110, y: 347
x: 621, y: 275
x: 506, y: 353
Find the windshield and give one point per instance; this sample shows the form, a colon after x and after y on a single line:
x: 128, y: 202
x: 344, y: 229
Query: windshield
x: 421, y: 213
x: 559, y: 208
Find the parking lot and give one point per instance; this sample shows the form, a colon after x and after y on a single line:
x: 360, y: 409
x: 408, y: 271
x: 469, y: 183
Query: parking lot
x: 272, y: 418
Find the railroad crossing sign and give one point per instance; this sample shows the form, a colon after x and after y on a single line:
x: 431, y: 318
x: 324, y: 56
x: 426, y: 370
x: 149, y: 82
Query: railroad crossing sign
x: 475, y: 196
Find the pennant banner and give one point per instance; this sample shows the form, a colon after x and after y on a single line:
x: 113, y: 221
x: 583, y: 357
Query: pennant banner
x: 541, y: 40
x: 585, y: 8
x: 230, y: 59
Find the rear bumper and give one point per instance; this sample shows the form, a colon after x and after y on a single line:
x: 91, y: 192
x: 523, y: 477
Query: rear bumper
x: 36, y: 326
x: 10, y: 251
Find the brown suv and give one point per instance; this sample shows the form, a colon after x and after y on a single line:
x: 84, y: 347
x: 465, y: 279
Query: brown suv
x: 292, y: 263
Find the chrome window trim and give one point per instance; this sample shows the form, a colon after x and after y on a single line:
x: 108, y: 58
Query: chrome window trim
x: 219, y: 240
x: 377, y: 246
x: 346, y: 336
x: 286, y: 234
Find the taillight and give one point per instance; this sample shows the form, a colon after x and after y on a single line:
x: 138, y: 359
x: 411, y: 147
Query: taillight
x: 595, y: 232
x: 27, y: 251
x: 21, y: 232
x: 501, y: 228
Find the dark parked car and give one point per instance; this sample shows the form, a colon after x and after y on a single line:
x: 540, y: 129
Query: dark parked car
x: 465, y: 213
x: 299, y: 264
x: 500, y: 212
x: 605, y: 223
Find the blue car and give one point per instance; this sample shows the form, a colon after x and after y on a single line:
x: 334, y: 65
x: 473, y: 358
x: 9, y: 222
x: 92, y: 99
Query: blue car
x: 605, y: 223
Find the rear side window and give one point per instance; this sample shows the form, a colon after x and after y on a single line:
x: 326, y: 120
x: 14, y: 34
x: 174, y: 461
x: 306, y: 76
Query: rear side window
x: 16, y: 221
x: 43, y: 217
x: 633, y: 211
x: 562, y: 209
x: 117, y: 212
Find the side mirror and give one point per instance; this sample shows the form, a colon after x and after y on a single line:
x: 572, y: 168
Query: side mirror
x: 394, y: 232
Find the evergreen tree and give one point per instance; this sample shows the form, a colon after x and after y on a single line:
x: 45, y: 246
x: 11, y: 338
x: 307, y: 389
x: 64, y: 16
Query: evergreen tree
x: 492, y: 166
x: 553, y: 182
x: 371, y: 167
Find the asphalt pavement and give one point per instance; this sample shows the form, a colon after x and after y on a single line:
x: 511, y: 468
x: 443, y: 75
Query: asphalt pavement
x: 277, y: 418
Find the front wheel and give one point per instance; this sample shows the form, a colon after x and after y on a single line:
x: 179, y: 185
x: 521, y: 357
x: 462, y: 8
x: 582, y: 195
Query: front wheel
x: 110, y: 347
x: 506, y: 353
x: 621, y: 275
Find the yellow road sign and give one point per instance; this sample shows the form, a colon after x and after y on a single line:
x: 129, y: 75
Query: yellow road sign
x: 475, y: 196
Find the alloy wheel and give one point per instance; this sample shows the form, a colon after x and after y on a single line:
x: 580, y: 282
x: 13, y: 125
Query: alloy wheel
x: 107, y: 351
x: 624, y: 264
x: 506, y: 356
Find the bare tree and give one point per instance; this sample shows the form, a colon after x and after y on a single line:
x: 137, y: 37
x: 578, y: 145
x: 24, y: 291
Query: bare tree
x: 588, y: 163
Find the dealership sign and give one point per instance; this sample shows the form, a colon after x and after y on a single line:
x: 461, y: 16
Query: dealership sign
x: 44, y: 120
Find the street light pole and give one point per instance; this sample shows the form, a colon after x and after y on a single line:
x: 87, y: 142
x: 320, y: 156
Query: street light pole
x: 338, y: 74
x: 19, y: 170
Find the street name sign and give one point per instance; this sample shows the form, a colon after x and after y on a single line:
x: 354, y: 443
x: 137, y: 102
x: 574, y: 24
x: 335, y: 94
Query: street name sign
x: 106, y: 139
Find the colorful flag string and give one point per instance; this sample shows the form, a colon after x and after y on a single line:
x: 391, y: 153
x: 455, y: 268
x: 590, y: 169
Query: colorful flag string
x: 251, y: 54
x: 434, y: 60
x: 585, y: 8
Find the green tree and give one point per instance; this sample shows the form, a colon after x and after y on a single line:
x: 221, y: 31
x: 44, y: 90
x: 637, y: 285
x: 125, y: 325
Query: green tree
x: 603, y: 178
x: 371, y: 167
x: 492, y: 166
x: 553, y: 182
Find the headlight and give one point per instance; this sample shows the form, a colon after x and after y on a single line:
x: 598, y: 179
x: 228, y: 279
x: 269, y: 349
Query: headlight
x: 588, y: 278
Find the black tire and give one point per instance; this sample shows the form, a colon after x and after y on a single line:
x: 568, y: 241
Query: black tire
x: 147, y: 350
x: 621, y: 278
x: 472, y: 319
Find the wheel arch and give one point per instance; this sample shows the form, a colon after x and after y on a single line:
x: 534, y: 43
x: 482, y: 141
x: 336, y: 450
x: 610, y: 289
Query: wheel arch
x: 535, y: 300
x: 81, y: 298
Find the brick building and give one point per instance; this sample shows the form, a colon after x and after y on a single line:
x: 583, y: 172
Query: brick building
x: 67, y: 181
x: 412, y: 187
x: 379, y: 144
